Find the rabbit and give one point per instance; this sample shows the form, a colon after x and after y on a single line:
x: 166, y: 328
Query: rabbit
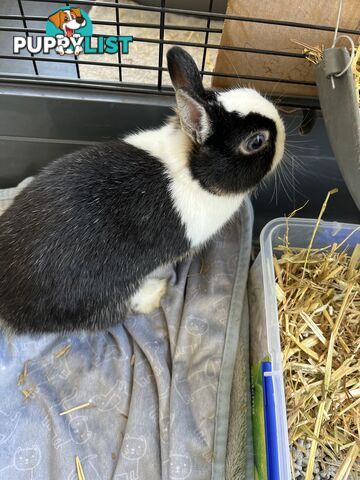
x: 79, y: 243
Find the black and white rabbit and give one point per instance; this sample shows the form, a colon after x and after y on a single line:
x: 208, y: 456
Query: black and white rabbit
x: 78, y: 243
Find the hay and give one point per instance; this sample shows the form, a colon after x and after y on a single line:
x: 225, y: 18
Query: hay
x: 62, y: 352
x: 23, y: 374
x: 28, y: 392
x: 318, y: 294
x: 79, y: 407
x: 79, y: 469
x: 355, y: 66
x: 315, y: 55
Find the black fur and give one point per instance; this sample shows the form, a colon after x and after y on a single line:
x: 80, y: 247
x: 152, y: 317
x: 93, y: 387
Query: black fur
x: 183, y: 71
x: 79, y: 239
x: 220, y: 153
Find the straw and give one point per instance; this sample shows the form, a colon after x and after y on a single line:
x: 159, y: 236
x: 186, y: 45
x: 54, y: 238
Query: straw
x: 323, y: 208
x: 62, y: 352
x: 345, y: 469
x: 318, y: 295
x: 314, y: 444
x: 355, y: 67
x: 27, y: 392
x: 79, y: 407
x: 315, y: 55
x: 79, y: 469
x: 23, y: 374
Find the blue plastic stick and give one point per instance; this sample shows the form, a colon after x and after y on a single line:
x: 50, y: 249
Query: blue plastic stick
x: 272, y: 452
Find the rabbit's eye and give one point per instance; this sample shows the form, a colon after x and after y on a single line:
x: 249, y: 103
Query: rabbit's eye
x: 255, y: 142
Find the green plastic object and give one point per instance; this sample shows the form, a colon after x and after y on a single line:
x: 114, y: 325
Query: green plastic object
x: 341, y: 115
x: 258, y: 421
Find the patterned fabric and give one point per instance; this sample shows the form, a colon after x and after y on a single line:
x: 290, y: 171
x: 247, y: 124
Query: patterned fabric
x: 159, y: 385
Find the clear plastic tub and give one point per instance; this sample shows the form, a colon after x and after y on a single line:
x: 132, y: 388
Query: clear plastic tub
x: 264, y: 306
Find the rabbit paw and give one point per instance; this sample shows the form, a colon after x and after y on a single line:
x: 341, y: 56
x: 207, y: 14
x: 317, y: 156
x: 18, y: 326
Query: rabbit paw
x: 147, y: 298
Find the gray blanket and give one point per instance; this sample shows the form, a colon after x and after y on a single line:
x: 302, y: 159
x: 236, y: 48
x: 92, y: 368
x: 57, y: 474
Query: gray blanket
x: 158, y: 386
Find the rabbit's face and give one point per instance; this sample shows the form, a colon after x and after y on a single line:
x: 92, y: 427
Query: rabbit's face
x: 245, y: 141
x: 238, y: 135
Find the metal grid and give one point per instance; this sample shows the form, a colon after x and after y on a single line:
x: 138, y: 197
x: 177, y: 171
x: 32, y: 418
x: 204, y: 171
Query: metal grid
x: 157, y: 87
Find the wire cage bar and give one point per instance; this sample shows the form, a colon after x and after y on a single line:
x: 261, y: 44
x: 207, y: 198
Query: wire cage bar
x: 28, y: 23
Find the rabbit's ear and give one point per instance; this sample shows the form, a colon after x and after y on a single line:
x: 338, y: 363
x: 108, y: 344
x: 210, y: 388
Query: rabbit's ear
x: 183, y: 72
x: 194, y: 118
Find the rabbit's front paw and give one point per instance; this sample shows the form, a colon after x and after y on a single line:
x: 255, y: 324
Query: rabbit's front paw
x: 147, y: 298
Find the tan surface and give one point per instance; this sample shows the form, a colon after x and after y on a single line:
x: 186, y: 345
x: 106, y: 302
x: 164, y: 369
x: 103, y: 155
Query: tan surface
x: 272, y: 37
x: 143, y: 53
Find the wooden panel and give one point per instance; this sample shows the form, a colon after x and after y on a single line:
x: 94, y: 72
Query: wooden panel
x: 279, y: 38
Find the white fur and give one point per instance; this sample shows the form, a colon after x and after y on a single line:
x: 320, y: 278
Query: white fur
x: 202, y: 212
x: 147, y: 298
x: 245, y: 101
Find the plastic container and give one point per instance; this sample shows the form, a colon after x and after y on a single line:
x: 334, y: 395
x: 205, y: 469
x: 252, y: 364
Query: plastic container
x: 265, y: 326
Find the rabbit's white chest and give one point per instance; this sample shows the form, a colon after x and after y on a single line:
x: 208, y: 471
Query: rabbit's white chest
x: 201, y: 212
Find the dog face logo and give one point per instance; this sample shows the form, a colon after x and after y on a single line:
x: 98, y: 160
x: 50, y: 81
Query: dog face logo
x: 68, y: 20
x: 69, y: 26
